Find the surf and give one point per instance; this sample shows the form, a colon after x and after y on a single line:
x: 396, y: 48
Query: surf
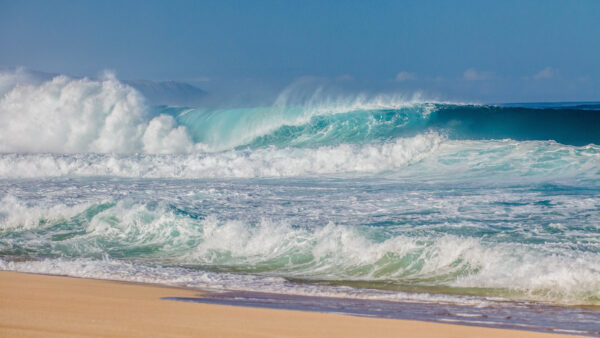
x: 372, y: 256
x: 67, y: 115
x: 381, y: 197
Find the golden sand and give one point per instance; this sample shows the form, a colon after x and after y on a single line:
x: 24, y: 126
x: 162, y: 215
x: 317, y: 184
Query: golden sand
x: 43, y: 306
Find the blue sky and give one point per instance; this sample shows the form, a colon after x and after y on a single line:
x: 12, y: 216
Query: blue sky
x: 491, y: 51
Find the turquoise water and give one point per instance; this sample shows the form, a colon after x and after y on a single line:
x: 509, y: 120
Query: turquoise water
x: 362, y: 199
x: 534, y: 241
x: 575, y: 124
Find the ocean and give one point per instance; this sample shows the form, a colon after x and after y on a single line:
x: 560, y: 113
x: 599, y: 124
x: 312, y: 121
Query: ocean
x: 356, y: 203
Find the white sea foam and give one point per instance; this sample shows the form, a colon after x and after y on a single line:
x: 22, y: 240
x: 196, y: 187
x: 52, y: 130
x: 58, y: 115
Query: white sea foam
x: 66, y: 115
x: 17, y: 215
x: 268, y: 162
x: 327, y: 252
x: 571, y: 277
x: 426, y: 156
x: 122, y: 271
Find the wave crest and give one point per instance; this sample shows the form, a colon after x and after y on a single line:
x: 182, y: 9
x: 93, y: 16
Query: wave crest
x: 68, y: 115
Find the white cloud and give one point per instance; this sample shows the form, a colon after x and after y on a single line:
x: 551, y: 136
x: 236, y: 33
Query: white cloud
x: 546, y: 73
x: 405, y: 76
x: 472, y: 74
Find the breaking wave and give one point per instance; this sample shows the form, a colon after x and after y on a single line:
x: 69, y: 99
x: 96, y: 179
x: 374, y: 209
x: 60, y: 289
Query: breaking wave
x: 427, y: 156
x: 382, y: 192
x: 167, y: 234
x: 67, y: 115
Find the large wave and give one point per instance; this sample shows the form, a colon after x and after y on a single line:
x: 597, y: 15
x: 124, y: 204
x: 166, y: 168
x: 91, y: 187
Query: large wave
x: 363, y: 121
x: 66, y: 115
x: 82, y: 115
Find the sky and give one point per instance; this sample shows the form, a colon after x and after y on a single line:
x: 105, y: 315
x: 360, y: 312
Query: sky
x: 484, y: 51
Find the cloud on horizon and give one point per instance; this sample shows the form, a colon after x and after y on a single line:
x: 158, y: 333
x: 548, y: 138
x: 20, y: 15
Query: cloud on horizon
x: 472, y: 74
x: 546, y: 73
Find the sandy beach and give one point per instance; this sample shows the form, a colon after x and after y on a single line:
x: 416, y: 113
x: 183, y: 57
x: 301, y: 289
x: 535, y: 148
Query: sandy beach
x: 42, y: 306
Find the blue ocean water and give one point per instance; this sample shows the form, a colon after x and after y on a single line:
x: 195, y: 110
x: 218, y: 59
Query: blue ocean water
x: 360, y: 198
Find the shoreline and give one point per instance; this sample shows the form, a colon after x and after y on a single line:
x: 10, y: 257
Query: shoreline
x: 47, y: 305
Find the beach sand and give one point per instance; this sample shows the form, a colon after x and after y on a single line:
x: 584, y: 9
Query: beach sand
x: 43, y: 306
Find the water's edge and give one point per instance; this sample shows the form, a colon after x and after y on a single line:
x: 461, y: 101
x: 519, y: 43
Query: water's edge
x: 531, y: 317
